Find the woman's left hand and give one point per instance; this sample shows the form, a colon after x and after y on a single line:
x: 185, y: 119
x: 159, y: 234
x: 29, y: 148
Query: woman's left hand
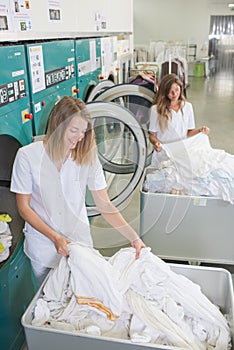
x: 205, y: 130
x: 138, y: 245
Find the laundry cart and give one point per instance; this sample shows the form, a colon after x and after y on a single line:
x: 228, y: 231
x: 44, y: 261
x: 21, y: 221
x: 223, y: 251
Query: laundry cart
x: 88, y: 61
x: 187, y: 228
x: 16, y: 282
x: 215, y: 283
x: 51, y: 68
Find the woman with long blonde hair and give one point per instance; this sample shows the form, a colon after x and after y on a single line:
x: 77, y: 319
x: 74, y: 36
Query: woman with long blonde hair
x: 50, y: 179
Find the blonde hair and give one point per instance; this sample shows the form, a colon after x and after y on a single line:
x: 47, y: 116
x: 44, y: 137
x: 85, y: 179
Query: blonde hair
x: 163, y: 103
x: 61, y: 115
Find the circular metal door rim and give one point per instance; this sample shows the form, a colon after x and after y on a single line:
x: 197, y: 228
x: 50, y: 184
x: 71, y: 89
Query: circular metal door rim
x: 113, y: 110
x: 102, y: 85
x: 122, y: 90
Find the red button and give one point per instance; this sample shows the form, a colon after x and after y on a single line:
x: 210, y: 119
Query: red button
x: 28, y: 116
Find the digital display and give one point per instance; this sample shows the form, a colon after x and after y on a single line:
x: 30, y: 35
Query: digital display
x: 59, y: 75
x: 55, y: 77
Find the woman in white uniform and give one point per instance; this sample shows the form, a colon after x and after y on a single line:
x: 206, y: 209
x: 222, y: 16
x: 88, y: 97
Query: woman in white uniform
x: 171, y: 117
x: 50, y: 177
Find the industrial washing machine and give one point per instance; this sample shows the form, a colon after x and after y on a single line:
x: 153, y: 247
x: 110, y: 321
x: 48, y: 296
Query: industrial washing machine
x: 16, y: 281
x: 119, y: 150
x: 110, y: 69
x: 88, y: 62
x: 51, y: 69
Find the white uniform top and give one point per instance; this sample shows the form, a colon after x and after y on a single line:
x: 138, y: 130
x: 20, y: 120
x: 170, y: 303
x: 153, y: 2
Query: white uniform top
x: 57, y: 197
x: 177, y: 128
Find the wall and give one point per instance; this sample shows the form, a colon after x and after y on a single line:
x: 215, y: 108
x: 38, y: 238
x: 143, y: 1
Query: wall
x: 78, y: 18
x: 117, y: 14
x: 184, y: 21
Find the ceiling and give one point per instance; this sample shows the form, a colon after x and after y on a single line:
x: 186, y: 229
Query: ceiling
x: 219, y: 4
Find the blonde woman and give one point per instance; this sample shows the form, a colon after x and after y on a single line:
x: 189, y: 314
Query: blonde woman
x: 50, y: 178
x: 171, y: 117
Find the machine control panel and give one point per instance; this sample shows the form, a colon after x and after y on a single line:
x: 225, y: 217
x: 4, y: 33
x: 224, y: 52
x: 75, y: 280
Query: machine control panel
x: 59, y: 75
x: 12, y: 92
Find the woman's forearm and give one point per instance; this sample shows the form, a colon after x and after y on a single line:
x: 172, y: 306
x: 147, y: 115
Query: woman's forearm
x: 204, y: 129
x: 193, y: 132
x: 116, y: 220
x: 155, y: 142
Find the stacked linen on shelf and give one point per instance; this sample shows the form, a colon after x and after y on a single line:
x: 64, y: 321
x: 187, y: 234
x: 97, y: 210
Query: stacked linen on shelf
x: 193, y: 167
x: 142, y: 300
x: 5, y: 237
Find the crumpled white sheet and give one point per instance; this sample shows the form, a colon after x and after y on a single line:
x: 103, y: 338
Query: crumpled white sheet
x: 194, y: 168
x: 155, y: 304
x: 5, y: 240
x: 170, y: 303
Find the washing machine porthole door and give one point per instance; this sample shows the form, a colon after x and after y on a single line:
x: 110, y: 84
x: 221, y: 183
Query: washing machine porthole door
x: 122, y: 146
x: 99, y: 88
x: 138, y: 99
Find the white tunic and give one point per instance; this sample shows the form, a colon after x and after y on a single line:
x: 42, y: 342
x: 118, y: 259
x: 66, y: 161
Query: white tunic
x: 57, y: 197
x: 177, y: 128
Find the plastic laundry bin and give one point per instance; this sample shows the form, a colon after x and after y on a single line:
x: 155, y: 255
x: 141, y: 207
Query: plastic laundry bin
x: 199, y: 70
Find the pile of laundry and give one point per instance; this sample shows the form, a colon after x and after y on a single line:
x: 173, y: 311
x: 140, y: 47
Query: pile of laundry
x: 193, y: 167
x: 141, y: 300
x: 5, y: 237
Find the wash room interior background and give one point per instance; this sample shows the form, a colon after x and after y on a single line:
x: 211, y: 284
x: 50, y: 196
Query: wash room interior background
x: 204, y: 28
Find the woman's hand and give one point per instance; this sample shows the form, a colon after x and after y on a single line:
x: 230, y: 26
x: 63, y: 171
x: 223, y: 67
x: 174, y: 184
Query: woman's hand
x: 157, y: 146
x: 61, y: 245
x: 138, y: 245
x: 205, y: 130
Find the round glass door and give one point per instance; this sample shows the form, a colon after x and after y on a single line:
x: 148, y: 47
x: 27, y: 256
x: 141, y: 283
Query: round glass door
x: 122, y: 150
x: 137, y: 99
x: 99, y: 88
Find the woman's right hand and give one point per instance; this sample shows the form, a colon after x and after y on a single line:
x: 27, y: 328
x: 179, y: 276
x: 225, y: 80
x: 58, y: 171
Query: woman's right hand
x: 61, y: 245
x: 157, y: 146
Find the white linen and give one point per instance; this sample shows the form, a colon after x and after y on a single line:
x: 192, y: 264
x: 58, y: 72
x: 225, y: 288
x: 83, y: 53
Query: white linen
x: 5, y: 240
x: 93, y: 276
x: 154, y: 303
x: 194, y: 156
x: 194, y: 168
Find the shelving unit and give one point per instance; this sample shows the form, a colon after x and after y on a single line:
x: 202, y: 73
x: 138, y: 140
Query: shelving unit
x: 191, y: 52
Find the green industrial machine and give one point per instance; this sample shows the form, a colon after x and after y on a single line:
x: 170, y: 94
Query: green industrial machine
x: 16, y: 282
x: 88, y: 61
x: 51, y: 70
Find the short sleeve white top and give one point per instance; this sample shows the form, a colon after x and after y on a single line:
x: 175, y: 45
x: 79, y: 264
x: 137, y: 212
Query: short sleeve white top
x: 58, y: 197
x: 178, y: 125
x: 177, y: 128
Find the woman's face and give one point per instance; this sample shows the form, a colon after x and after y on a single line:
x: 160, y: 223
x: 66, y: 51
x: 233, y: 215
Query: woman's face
x: 174, y: 92
x: 75, y: 132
